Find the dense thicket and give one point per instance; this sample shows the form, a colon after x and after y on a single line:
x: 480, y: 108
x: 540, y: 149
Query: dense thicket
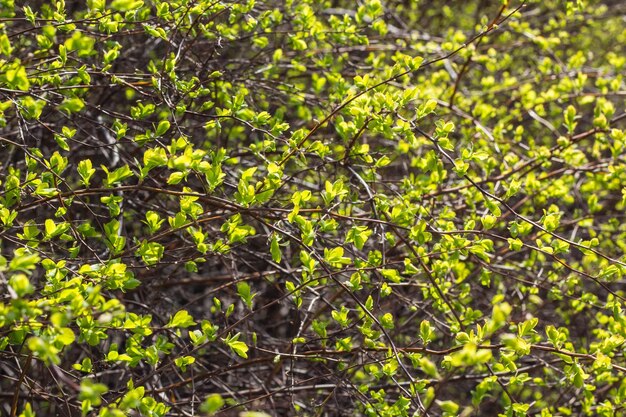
x: 312, y: 208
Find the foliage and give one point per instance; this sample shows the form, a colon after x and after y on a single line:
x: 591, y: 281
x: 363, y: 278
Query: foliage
x: 312, y: 208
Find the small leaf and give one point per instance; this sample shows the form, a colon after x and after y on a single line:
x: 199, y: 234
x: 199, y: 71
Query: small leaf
x: 237, y: 346
x: 212, y: 404
x: 162, y: 128
x: 181, y: 319
x: 275, y: 249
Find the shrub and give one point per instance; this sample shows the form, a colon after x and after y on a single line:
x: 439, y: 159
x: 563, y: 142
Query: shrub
x: 312, y: 208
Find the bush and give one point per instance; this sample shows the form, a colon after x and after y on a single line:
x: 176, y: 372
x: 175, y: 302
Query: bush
x: 312, y: 208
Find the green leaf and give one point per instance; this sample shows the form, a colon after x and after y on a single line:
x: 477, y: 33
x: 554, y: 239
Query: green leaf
x: 72, y: 105
x: 237, y: 346
x: 184, y: 361
x: 126, y: 5
x: 386, y: 320
x: 117, y: 176
x: 275, y: 249
x: 85, y: 366
x: 20, y: 284
x: 175, y: 178
x: 16, y: 77
x: 162, y: 128
x: 427, y: 333
x: 27, y: 411
x: 335, y: 256
x: 243, y: 289
x: 569, y: 119
x: 182, y: 319
x: 23, y: 261
x: 62, y: 142
x: 150, y: 252
x: 91, y: 392
x: 85, y: 171
x: 358, y: 235
x: 212, y: 404
x: 65, y: 336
